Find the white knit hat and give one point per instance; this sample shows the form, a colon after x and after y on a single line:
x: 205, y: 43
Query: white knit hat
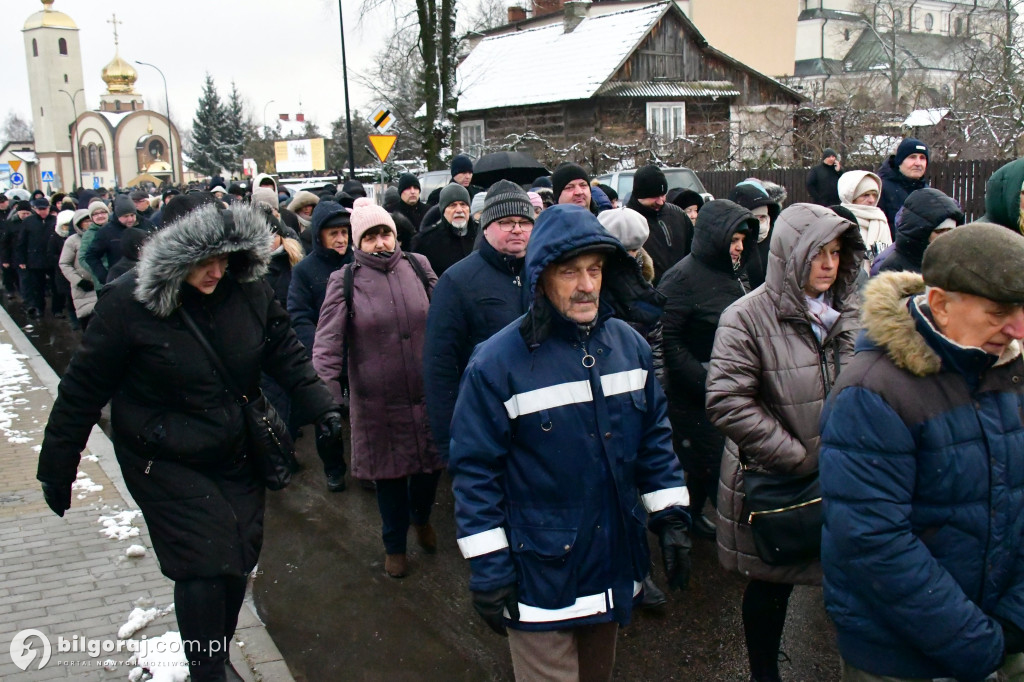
x: 626, y: 225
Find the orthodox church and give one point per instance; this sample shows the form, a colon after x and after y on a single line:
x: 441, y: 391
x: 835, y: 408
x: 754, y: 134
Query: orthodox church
x: 117, y: 145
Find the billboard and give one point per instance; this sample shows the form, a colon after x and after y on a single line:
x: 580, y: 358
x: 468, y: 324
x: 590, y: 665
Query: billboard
x: 299, y: 156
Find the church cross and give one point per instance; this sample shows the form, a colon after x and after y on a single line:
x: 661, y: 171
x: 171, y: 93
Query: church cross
x: 115, y: 22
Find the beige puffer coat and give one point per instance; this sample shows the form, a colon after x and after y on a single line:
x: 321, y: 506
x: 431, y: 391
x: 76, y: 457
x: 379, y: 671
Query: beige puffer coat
x: 769, y: 376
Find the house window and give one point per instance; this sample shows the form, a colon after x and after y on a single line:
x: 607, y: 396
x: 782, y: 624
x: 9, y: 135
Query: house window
x: 929, y: 22
x: 62, y: 46
x: 35, y: 48
x: 897, y: 18
x: 666, y: 120
x: 472, y: 134
x: 846, y: 35
x: 958, y: 26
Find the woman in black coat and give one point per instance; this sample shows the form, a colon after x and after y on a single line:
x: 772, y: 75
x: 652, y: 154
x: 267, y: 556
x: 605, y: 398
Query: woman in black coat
x: 698, y: 289
x: 179, y: 437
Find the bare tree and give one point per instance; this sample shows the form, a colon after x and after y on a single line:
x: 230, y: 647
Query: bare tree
x: 16, y: 129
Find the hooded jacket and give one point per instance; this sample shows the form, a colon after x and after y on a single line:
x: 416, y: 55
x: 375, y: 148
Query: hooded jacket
x: 750, y: 195
x: 769, y: 376
x: 74, y: 272
x: 308, y: 286
x: 924, y: 494
x: 670, y: 235
x: 132, y: 240
x: 697, y: 290
x: 442, y: 246
x: 896, y: 187
x: 179, y: 439
x: 922, y: 213
x: 561, y: 446
x: 1002, y: 196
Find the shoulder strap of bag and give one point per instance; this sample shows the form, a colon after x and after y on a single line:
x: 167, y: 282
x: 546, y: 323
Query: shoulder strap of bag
x: 214, y: 358
x: 420, y: 272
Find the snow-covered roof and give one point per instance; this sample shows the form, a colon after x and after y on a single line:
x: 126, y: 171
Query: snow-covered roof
x: 501, y: 70
x: 26, y: 156
x: 113, y: 117
x: 925, y: 117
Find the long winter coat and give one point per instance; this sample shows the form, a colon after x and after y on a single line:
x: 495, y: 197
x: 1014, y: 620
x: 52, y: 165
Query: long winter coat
x: 769, y: 376
x: 388, y: 408
x: 697, y: 290
x: 73, y: 271
x: 179, y: 437
x: 923, y: 486
x: 670, y: 235
x: 922, y: 213
x: 475, y: 298
x: 32, y: 247
x: 896, y: 187
x: 822, y: 181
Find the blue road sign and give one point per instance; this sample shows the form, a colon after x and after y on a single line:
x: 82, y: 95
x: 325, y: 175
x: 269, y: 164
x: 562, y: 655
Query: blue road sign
x: 47, y: 176
x: 17, y: 179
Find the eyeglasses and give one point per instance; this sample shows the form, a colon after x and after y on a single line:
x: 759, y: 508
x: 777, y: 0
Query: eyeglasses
x: 509, y: 225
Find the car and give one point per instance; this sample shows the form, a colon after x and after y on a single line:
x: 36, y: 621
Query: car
x: 432, y: 180
x: 682, y: 178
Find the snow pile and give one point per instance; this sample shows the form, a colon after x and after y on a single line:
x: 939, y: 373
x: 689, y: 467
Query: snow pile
x: 119, y: 526
x: 85, y: 484
x: 140, y: 618
x: 135, y: 551
x: 160, y: 659
x: 15, y: 381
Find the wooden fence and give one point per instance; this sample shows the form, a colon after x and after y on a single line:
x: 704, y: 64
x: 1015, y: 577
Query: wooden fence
x: 963, y: 180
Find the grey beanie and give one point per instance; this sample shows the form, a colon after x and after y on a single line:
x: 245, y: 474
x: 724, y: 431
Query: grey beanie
x: 452, y: 193
x: 123, y: 205
x: 506, y: 199
x: 626, y: 225
x: 478, y: 203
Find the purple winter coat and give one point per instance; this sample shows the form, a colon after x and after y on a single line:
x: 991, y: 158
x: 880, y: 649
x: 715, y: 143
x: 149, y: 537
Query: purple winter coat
x: 390, y: 432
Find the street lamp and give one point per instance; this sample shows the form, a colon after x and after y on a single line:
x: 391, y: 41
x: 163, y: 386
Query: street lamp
x: 266, y: 130
x: 71, y: 135
x: 348, y: 116
x: 167, y: 102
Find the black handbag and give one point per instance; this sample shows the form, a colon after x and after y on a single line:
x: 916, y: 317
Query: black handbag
x: 785, y: 516
x: 270, y: 445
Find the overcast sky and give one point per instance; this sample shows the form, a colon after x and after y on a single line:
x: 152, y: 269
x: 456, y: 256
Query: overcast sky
x: 288, y: 52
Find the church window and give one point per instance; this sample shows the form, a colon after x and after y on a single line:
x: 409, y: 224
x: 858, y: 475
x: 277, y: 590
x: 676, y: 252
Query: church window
x: 35, y: 48
x: 81, y: 158
x: 62, y: 46
x: 94, y: 162
x: 103, y: 158
x: 65, y: 78
x: 117, y: 105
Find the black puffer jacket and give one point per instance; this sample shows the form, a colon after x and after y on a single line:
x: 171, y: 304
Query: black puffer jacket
x: 442, y: 246
x: 750, y: 195
x: 922, y: 212
x: 670, y: 235
x: 698, y: 290
x: 179, y: 439
x: 896, y: 187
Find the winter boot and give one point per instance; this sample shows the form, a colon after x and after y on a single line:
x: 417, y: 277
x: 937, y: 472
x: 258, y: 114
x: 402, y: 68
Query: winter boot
x: 426, y: 538
x: 653, y: 598
x: 396, y: 565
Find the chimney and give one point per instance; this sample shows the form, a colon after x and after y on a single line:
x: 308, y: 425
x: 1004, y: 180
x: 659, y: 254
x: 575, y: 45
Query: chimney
x: 516, y: 14
x: 575, y: 11
x: 542, y: 7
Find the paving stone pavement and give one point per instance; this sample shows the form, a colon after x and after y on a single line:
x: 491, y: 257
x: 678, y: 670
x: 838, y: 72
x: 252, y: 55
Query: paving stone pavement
x: 63, y: 576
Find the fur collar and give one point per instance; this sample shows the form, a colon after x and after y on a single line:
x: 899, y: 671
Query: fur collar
x: 167, y: 257
x: 646, y: 266
x: 889, y: 324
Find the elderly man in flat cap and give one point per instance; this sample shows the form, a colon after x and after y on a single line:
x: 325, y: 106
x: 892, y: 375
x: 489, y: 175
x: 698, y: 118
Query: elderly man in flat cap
x: 922, y: 469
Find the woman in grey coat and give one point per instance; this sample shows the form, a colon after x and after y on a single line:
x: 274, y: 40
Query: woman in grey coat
x: 383, y: 321
x: 776, y: 355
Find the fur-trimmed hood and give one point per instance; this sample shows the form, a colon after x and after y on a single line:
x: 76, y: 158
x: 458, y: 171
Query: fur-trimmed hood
x: 889, y: 324
x: 241, y: 231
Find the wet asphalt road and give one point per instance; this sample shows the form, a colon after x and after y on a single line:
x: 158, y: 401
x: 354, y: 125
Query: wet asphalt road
x: 335, y: 615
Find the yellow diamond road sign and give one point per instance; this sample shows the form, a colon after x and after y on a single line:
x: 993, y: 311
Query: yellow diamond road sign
x: 382, y: 145
x: 381, y: 119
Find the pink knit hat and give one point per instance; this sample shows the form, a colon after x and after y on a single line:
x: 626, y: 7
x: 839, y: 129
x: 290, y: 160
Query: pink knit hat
x: 365, y: 217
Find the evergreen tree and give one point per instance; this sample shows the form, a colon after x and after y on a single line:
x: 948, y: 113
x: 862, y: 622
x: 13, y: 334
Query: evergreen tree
x: 234, y: 132
x: 206, y: 150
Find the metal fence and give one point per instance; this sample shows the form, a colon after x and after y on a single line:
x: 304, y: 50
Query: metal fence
x: 963, y: 180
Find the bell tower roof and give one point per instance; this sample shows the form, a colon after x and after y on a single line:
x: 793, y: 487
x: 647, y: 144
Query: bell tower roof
x: 49, y: 18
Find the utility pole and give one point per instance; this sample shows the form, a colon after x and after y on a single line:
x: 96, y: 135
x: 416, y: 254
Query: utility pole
x: 348, y: 115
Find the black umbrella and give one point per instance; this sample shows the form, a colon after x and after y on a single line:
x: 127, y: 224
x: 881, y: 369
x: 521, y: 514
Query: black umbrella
x: 517, y: 167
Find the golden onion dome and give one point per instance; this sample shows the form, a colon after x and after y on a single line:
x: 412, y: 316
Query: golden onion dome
x: 49, y: 18
x: 119, y: 76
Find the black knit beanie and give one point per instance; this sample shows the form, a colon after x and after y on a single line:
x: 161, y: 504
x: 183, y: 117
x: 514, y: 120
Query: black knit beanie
x: 565, y: 174
x: 649, y: 182
x: 461, y: 164
x: 407, y: 180
x: 505, y: 199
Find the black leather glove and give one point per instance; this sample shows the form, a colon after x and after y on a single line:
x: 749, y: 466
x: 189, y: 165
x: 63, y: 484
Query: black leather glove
x: 674, y: 537
x: 57, y: 496
x: 491, y: 606
x: 85, y: 284
x: 330, y: 444
x: 1013, y: 637
x: 328, y: 427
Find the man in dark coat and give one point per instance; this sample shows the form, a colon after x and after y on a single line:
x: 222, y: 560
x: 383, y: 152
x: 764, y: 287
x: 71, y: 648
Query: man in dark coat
x: 570, y: 184
x: 697, y: 290
x: 143, y: 207
x: 31, y: 256
x: 822, y: 180
x: 107, y: 242
x: 132, y: 240
x: 902, y: 174
x: 752, y: 196
x: 671, y: 229
x: 450, y: 239
x: 923, y: 491
x: 474, y: 299
x: 331, y: 249
x: 462, y: 174
x: 927, y: 213
x: 11, y: 233
x: 409, y: 204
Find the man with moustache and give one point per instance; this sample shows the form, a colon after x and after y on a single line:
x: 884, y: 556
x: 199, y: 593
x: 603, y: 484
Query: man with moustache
x: 451, y: 238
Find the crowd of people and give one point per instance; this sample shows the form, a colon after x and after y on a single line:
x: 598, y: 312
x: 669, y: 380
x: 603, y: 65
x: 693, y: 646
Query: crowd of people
x: 587, y: 372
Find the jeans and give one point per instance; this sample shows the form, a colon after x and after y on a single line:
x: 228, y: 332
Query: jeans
x: 402, y: 500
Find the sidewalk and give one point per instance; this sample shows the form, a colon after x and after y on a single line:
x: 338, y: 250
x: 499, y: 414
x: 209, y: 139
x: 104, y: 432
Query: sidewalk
x: 74, y: 579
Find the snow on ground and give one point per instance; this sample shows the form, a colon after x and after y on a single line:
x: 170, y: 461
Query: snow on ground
x: 140, y: 618
x: 120, y: 526
x: 135, y: 551
x: 85, y: 485
x: 163, y: 658
x: 15, y: 381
